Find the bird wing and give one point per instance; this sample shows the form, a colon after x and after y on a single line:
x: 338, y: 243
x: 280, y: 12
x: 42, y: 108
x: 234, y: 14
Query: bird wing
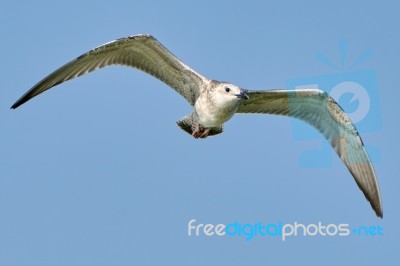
x: 140, y: 51
x: 319, y: 110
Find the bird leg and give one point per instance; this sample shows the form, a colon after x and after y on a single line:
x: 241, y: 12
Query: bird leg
x: 200, y: 132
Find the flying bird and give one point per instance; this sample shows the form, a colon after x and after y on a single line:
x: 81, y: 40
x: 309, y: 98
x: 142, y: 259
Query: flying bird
x: 215, y: 102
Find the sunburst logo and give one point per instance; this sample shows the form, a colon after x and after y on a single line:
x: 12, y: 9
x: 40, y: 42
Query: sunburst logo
x: 354, y: 87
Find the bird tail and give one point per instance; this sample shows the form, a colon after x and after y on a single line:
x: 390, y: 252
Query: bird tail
x: 186, y: 123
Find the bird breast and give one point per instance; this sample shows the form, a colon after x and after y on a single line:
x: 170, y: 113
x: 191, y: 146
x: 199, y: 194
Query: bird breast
x: 211, y: 114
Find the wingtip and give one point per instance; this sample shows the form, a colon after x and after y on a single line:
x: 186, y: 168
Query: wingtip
x: 16, y: 105
x: 376, y: 203
x: 377, y: 207
x: 379, y: 213
x: 24, y: 98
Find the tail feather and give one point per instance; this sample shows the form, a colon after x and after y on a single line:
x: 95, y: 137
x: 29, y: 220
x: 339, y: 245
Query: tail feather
x: 186, y: 123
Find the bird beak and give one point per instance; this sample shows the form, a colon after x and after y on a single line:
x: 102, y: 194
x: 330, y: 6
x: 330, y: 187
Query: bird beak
x: 242, y: 95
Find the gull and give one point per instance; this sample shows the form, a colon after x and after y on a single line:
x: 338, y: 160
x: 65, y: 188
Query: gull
x: 215, y: 102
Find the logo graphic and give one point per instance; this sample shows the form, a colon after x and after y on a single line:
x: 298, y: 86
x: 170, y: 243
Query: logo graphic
x: 279, y: 230
x: 354, y: 90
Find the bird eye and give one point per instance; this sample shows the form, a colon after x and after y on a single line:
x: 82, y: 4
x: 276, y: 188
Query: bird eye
x: 227, y: 89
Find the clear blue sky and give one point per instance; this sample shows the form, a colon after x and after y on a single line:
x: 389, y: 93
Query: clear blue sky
x: 96, y: 172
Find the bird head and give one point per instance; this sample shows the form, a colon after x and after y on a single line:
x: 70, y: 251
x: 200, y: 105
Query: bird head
x: 227, y: 93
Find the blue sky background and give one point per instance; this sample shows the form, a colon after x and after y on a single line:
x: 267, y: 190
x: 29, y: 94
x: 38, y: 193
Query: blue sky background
x: 95, y: 171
